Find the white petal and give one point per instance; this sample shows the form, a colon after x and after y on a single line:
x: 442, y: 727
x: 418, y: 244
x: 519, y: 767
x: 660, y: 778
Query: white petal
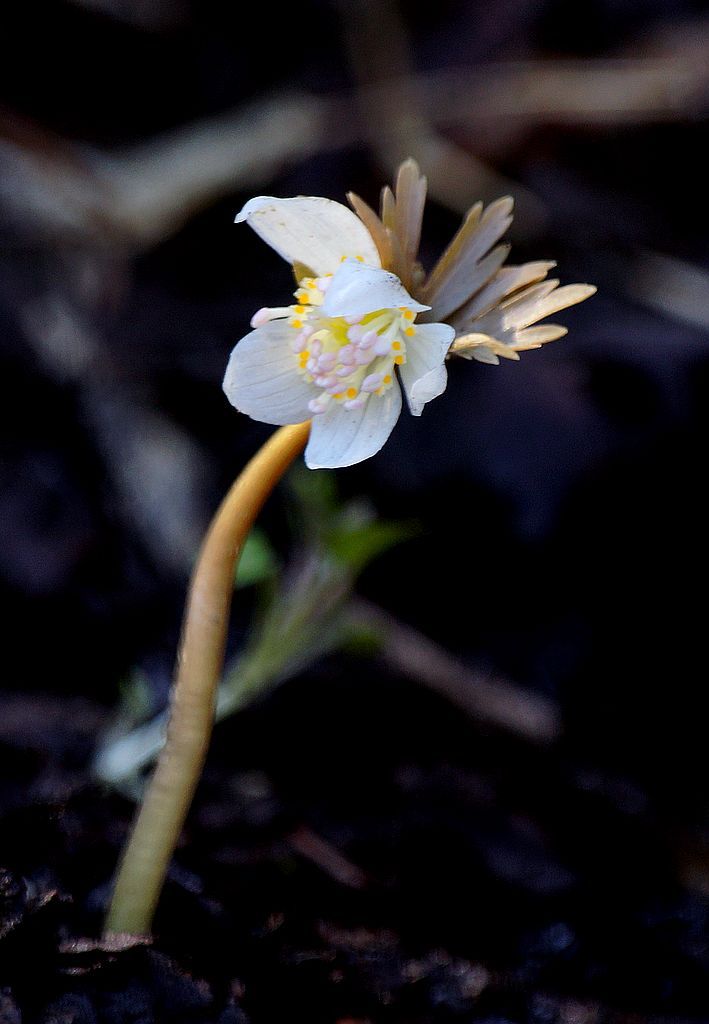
x: 310, y: 230
x: 262, y: 378
x: 340, y: 437
x: 357, y: 289
x: 424, y: 373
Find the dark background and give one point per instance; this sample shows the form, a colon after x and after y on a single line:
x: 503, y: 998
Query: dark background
x: 560, y: 500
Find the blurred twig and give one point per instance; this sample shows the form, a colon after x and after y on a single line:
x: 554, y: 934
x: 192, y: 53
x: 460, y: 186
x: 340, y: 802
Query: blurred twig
x: 600, y: 93
x: 312, y: 619
x: 157, y: 469
x: 148, y: 15
x: 94, y: 211
x: 398, y: 120
x: 671, y: 286
x: 327, y: 857
x: 313, y: 615
x: 488, y: 699
x: 142, y: 195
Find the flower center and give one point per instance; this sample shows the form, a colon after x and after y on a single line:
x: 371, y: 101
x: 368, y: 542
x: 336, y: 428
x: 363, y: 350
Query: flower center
x: 350, y: 358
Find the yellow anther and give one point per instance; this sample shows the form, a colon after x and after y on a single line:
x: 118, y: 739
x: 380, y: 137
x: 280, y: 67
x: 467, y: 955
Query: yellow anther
x: 351, y: 392
x: 299, y: 309
x: 339, y: 396
x: 396, y: 345
x: 304, y: 357
x: 409, y: 331
x: 296, y: 323
x: 398, y: 360
x: 386, y: 379
x: 408, y: 313
x: 301, y: 296
x: 360, y: 258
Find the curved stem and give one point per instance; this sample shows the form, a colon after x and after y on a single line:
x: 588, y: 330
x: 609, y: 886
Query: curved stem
x: 199, y: 665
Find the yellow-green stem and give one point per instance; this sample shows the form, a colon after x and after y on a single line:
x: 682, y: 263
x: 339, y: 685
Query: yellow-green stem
x: 168, y: 796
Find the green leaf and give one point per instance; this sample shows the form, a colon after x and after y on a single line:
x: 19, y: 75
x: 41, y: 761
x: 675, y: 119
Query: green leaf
x: 316, y: 498
x: 358, y: 544
x: 258, y: 560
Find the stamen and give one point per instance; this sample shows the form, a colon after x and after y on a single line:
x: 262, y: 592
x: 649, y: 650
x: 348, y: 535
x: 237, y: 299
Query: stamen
x: 327, y: 361
x: 317, y: 405
x: 381, y: 346
x: 335, y: 354
x: 261, y: 317
x: 363, y: 358
x: 380, y: 322
x: 372, y: 382
x: 267, y: 313
x: 299, y: 342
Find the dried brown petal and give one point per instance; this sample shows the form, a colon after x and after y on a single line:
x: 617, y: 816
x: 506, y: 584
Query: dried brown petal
x: 375, y: 227
x: 453, y: 280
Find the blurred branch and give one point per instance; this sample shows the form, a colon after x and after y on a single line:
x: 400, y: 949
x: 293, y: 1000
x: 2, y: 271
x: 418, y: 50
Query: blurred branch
x: 312, y: 617
x: 157, y: 469
x: 156, y: 187
x: 148, y: 15
x: 142, y: 195
x: 327, y: 857
x: 671, y: 286
x: 600, y: 93
x: 136, y: 198
x: 399, y: 120
x: 487, y: 699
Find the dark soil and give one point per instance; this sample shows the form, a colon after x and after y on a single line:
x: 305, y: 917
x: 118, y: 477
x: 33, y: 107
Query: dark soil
x: 360, y: 849
x: 398, y: 864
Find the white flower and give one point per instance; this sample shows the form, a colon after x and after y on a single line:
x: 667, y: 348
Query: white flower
x: 366, y: 318
x: 338, y: 353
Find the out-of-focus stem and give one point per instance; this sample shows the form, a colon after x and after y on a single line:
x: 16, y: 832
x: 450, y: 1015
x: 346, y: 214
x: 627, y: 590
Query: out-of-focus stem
x: 199, y: 665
